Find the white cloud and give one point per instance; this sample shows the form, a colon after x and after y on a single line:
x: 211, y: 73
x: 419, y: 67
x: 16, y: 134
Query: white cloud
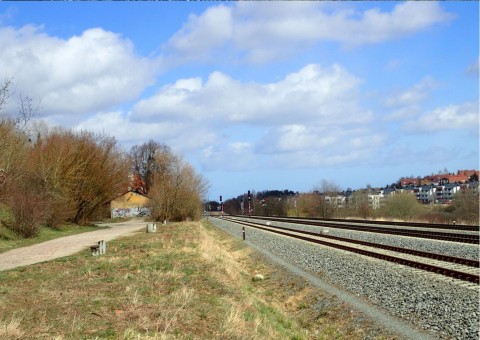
x: 268, y: 30
x: 93, y: 71
x: 180, y: 136
x: 312, y: 94
x: 235, y: 156
x: 294, y: 138
x: 406, y: 18
x: 310, y: 111
x: 412, y: 96
x: 315, y: 145
x: 311, y: 115
x: 202, y: 34
x: 407, y: 103
x: 463, y: 116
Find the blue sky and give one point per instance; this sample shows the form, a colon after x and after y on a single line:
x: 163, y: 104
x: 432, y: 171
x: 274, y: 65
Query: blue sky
x: 260, y: 95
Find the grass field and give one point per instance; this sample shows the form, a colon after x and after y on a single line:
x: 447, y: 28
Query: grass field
x: 187, y: 281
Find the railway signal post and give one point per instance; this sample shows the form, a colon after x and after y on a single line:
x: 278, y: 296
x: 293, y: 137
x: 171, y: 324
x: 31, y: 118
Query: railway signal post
x: 221, y: 206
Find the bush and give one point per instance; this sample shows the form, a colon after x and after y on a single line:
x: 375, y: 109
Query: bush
x: 26, y: 214
x: 437, y: 217
x: 465, y: 206
x: 403, y: 206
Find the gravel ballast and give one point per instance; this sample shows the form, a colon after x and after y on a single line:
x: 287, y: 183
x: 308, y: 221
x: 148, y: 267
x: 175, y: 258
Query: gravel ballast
x: 425, y: 300
x: 462, y: 250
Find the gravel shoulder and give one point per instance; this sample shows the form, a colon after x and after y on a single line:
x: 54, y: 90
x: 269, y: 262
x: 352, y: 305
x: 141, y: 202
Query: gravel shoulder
x: 68, y: 245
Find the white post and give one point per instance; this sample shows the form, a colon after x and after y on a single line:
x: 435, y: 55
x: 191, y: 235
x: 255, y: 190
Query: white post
x: 151, y: 228
x: 102, y: 247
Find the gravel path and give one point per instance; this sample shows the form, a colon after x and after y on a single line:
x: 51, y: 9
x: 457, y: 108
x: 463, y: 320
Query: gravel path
x: 65, y: 246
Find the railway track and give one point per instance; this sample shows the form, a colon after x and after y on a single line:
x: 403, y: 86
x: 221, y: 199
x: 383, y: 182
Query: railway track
x: 462, y: 269
x: 455, y: 227
x: 435, y: 235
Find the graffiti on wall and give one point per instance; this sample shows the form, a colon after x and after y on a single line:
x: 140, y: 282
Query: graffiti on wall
x: 131, y: 212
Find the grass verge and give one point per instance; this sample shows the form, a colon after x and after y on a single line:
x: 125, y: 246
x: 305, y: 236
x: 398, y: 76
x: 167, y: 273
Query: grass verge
x: 188, y: 281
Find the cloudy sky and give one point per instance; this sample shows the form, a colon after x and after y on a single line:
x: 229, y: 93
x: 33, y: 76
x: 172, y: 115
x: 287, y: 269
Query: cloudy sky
x: 260, y: 95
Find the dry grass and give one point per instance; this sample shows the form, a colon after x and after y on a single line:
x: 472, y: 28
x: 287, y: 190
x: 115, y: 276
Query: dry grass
x: 187, y: 281
x: 11, y: 330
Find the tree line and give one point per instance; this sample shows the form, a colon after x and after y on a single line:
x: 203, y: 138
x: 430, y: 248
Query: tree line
x: 324, y: 201
x: 50, y: 176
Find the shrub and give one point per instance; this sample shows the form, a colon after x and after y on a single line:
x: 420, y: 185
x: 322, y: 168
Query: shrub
x: 465, y: 206
x: 26, y: 214
x: 403, y: 206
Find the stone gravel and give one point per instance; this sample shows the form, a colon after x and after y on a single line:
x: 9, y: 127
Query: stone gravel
x: 462, y: 250
x: 425, y: 300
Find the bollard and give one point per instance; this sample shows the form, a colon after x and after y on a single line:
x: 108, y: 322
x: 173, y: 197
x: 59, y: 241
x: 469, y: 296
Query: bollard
x: 151, y: 228
x: 102, y: 247
x: 243, y: 233
x: 99, y: 249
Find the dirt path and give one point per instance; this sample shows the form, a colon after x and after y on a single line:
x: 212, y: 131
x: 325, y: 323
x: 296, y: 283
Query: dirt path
x: 67, y: 245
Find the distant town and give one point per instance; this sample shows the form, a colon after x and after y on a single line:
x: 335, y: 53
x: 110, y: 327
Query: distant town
x: 431, y: 189
x: 439, y: 189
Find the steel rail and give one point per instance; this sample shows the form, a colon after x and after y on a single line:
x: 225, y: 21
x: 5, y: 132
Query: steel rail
x: 453, y: 227
x: 434, y: 256
x: 451, y: 237
x: 423, y: 266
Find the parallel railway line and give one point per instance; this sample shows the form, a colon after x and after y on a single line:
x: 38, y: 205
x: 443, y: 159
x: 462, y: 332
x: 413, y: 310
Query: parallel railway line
x: 459, y: 268
x: 456, y: 227
x: 436, y: 235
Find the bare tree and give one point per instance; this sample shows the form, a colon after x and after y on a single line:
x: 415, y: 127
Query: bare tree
x: 77, y: 172
x: 327, y: 198
x: 360, y: 205
x: 177, y: 191
x: 5, y: 93
x: 146, y: 160
x: 14, y: 149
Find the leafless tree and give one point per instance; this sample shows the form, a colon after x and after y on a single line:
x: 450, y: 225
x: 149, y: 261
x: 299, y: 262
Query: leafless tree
x: 177, y: 191
x: 77, y: 172
x: 326, y: 198
x: 359, y: 204
x: 146, y: 160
